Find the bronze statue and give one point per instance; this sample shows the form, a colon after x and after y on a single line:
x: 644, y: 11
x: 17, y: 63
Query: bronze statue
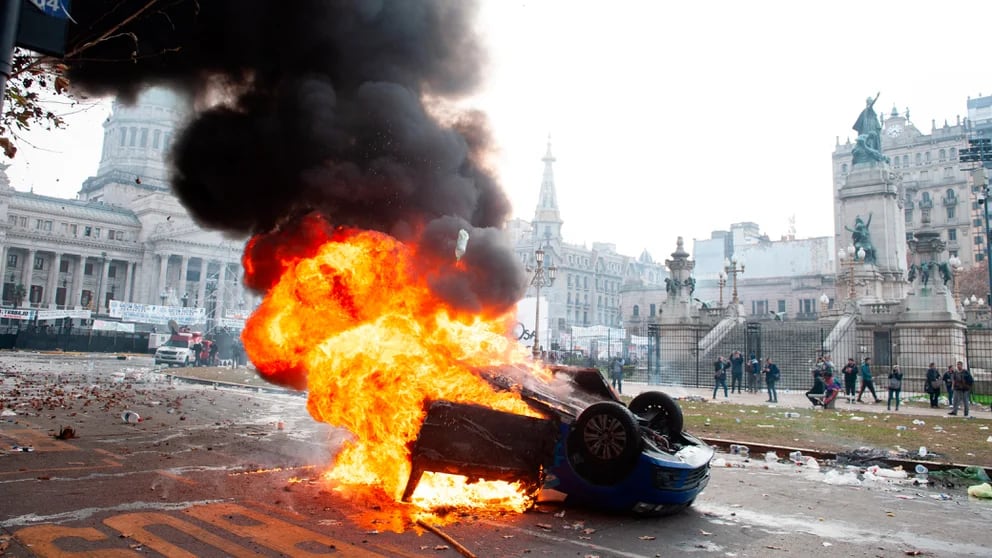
x: 945, y: 272
x: 691, y: 284
x: 868, y: 146
x: 911, y: 275
x: 861, y: 239
x: 925, y: 272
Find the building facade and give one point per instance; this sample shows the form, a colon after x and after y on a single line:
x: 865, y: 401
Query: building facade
x: 126, y: 237
x: 587, y: 291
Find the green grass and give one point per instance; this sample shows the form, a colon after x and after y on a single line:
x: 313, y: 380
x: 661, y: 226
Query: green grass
x: 953, y: 439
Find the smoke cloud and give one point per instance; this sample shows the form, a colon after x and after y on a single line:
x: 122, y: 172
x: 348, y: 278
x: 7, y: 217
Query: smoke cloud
x: 326, y: 110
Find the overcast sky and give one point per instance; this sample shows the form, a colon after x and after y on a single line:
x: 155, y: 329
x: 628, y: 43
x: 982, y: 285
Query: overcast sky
x: 672, y: 119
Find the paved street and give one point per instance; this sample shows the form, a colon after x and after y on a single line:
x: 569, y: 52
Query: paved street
x: 226, y: 471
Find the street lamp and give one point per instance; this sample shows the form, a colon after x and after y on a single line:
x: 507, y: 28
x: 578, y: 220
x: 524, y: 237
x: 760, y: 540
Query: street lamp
x: 185, y: 299
x: 723, y: 283
x: 543, y: 277
x: 733, y: 266
x: 824, y: 303
x: 163, y: 295
x: 849, y: 256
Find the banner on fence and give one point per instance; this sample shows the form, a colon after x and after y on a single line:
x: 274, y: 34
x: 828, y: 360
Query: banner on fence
x: 156, y: 314
x: 16, y: 314
x: 231, y: 323
x: 61, y: 314
x: 103, y: 325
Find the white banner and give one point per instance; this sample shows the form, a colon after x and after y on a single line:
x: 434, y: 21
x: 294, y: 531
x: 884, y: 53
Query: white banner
x: 155, y: 314
x: 15, y: 314
x: 103, y: 325
x: 60, y: 314
x: 231, y: 323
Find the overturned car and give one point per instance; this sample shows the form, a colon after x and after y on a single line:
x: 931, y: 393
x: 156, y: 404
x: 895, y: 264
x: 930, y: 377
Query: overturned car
x: 589, y: 446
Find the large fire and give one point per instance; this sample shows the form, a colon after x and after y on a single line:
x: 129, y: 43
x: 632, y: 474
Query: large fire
x: 349, y: 319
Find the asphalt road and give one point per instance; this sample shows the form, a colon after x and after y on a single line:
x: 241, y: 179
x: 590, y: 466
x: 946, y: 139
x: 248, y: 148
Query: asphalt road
x: 209, y: 472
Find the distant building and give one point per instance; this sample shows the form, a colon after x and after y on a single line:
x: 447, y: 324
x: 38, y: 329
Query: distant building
x: 587, y: 291
x: 126, y: 237
x: 934, y: 183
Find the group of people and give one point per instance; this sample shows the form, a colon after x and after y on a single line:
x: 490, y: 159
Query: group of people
x: 956, y: 380
x: 737, y: 366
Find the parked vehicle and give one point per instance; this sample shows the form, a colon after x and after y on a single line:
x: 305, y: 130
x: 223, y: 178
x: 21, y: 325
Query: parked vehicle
x: 589, y: 445
x: 179, y: 349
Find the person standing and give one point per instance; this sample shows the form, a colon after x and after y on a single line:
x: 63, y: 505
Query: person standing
x: 850, y: 371
x: 866, y: 381
x: 933, y: 385
x: 961, y: 381
x: 720, y: 376
x: 616, y: 374
x: 895, y: 387
x: 753, y: 373
x: 736, y: 371
x: 948, y: 378
x: 771, y: 377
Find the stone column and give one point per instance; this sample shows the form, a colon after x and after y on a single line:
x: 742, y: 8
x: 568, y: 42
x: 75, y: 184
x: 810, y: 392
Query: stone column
x: 201, y: 289
x: 26, y: 274
x: 3, y: 264
x: 163, y: 266
x: 221, y: 280
x: 102, y: 284
x: 52, y: 280
x: 77, y: 282
x: 183, y: 271
x: 128, y: 280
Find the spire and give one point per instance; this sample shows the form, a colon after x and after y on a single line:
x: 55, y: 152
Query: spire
x: 547, y: 218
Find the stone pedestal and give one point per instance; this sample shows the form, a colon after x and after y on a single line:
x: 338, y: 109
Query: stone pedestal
x: 678, y: 306
x: 872, y: 192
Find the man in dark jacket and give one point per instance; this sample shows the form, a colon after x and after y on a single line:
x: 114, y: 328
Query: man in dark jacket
x: 866, y: 381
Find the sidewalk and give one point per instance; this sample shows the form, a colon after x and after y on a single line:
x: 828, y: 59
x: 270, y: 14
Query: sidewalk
x: 791, y: 399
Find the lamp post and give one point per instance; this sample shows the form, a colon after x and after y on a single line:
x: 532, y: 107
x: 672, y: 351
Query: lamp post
x: 723, y: 283
x: 185, y: 299
x: 733, y: 266
x: 955, y: 263
x: 824, y: 303
x: 163, y: 295
x: 543, y: 277
x: 848, y: 257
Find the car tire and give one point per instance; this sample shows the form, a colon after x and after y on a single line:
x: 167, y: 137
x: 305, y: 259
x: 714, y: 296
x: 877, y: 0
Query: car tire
x: 604, y: 443
x: 662, y: 413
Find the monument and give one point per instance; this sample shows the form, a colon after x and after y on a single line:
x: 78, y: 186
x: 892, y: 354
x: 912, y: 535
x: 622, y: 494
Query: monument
x: 870, y: 195
x: 679, y: 287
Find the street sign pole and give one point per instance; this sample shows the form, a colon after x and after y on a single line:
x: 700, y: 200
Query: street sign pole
x: 10, y: 14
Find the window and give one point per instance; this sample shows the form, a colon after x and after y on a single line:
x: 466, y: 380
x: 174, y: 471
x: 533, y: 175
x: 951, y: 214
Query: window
x: 23, y: 222
x: 909, y: 215
x: 144, y: 137
x: 781, y: 306
x: 87, y: 231
x: 976, y: 223
x: 926, y: 156
x: 979, y: 240
x: 905, y: 160
x: 925, y: 177
x: 73, y: 229
x: 637, y: 310
x: 134, y: 136
x: 96, y: 232
x: 111, y: 271
x: 843, y: 168
x: 39, y: 224
x: 123, y: 132
x: 948, y: 172
x: 11, y: 260
x: 979, y: 257
x: 156, y: 138
x: 954, y: 153
x: 652, y: 309
x: 35, y: 295
x: 950, y: 213
x: 39, y: 262
x: 952, y: 234
x: 919, y: 159
x: 12, y: 219
x: 942, y: 155
x: 895, y: 162
x: 120, y: 235
x: 88, y: 269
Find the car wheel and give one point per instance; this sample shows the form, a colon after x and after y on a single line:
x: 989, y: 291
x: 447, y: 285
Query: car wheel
x: 604, y: 443
x: 660, y: 411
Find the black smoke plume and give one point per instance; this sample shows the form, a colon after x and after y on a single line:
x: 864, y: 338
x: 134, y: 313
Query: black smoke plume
x: 326, y: 110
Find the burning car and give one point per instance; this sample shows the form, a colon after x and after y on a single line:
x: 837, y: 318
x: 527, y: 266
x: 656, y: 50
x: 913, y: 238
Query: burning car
x: 589, y: 446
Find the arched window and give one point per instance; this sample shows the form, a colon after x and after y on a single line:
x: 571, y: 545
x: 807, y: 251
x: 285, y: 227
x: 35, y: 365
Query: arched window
x: 950, y: 193
x: 926, y: 196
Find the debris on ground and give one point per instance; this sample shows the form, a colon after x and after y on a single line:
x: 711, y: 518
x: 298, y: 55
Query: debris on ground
x: 983, y: 491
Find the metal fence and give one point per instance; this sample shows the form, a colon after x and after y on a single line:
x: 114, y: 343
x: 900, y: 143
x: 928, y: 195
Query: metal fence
x: 684, y: 356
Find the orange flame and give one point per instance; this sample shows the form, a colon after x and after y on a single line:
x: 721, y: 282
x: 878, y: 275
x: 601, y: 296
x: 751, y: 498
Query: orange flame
x: 373, y: 344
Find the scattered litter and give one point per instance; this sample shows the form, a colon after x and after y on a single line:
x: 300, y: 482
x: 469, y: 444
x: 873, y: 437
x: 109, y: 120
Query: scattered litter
x: 921, y: 470
x: 918, y: 422
x: 771, y: 457
x: 792, y: 415
x: 796, y: 457
x: 766, y: 426
x: 840, y: 478
x: 923, y: 451
x: 881, y: 472
x: 857, y: 418
x: 983, y: 427
x: 900, y: 427
x: 647, y: 538
x: 7, y: 413
x: 812, y: 463
x: 983, y: 490
x: 718, y: 462
x: 130, y: 417
x: 16, y: 447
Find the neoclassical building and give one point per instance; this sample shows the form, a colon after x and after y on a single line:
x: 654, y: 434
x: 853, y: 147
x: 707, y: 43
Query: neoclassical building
x: 126, y: 237
x: 587, y: 291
